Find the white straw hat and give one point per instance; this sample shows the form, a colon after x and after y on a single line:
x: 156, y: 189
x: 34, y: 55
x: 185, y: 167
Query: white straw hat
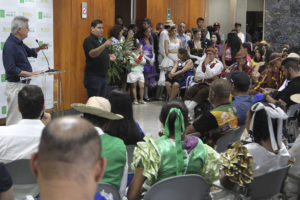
x: 98, y: 106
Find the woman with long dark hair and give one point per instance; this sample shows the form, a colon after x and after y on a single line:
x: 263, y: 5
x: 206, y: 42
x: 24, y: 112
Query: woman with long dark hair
x: 216, y: 42
x: 232, y: 46
x: 126, y: 129
x: 149, y: 68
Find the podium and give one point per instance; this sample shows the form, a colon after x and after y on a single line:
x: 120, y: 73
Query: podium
x: 51, y: 84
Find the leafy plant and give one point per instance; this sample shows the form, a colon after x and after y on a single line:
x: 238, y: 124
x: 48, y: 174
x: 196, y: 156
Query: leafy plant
x: 121, y: 65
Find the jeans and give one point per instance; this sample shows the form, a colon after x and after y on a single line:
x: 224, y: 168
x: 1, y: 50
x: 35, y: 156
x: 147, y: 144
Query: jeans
x: 95, y: 85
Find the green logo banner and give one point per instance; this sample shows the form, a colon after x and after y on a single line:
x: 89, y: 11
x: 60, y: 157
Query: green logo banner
x: 3, y: 110
x: 3, y: 77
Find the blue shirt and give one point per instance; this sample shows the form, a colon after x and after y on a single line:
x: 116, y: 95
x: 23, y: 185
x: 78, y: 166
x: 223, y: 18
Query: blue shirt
x: 242, y: 105
x: 15, y: 60
x: 184, y: 39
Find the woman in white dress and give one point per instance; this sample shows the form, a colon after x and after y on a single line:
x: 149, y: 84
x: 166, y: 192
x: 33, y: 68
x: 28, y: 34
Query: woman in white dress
x: 172, y: 44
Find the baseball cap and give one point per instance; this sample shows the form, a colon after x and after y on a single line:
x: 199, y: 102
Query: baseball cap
x: 217, y: 24
x: 240, y: 80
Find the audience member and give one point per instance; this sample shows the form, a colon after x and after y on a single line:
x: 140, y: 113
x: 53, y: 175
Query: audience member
x: 240, y: 64
x: 216, y: 43
x: 169, y: 157
x: 126, y: 129
x: 292, y: 183
x: 204, y: 40
x: 237, y: 27
x: 264, y: 154
x: 196, y: 47
x: 217, y: 26
x: 292, y: 72
x: 189, y: 33
x: 212, y: 125
x: 68, y: 164
x: 20, y: 140
x: 208, y: 70
x: 232, y: 46
x: 240, y: 91
x: 136, y: 76
x: 201, y: 25
x: 182, y: 36
x: 159, y: 29
x: 97, y: 110
x: 164, y: 35
x: 119, y: 21
x: 150, y: 66
x: 177, y: 77
x: 6, y: 189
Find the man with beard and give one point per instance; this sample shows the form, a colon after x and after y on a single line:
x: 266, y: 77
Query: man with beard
x: 292, y: 72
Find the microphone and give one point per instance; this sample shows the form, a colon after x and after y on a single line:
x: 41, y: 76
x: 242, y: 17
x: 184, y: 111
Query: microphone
x: 49, y: 69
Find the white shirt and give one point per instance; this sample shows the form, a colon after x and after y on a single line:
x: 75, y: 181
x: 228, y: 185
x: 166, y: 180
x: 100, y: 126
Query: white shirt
x: 209, y: 72
x: 265, y: 161
x: 242, y: 36
x: 20, y: 140
x: 164, y: 35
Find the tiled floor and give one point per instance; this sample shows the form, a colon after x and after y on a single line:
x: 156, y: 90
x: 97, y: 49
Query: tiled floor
x: 147, y: 115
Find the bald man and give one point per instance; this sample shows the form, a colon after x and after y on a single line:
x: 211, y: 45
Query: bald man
x: 68, y: 163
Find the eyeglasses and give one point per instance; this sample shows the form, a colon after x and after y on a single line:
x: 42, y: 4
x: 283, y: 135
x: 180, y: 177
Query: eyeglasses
x: 210, y: 54
x: 241, y: 58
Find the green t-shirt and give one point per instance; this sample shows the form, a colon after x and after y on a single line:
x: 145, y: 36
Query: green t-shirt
x: 137, y: 68
x: 114, y: 150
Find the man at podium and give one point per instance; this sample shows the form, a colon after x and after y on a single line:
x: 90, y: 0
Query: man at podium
x: 16, y: 64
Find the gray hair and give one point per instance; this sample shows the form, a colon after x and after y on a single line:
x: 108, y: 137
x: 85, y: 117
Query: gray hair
x: 18, y: 22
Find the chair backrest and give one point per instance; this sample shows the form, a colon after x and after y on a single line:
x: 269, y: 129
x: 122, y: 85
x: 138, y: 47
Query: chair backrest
x: 268, y: 185
x: 20, y: 172
x: 231, y: 137
x: 192, y: 187
x: 108, y: 189
x: 292, y: 110
x: 130, y: 150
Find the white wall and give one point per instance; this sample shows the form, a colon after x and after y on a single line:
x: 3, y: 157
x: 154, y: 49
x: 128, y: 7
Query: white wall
x: 219, y: 11
x: 241, y: 12
x: 255, y: 5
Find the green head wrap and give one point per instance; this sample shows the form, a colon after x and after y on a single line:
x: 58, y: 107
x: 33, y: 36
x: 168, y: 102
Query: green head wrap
x: 179, y: 129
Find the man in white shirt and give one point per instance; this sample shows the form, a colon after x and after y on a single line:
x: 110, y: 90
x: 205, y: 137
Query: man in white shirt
x: 20, y: 140
x: 241, y: 35
x: 208, y: 70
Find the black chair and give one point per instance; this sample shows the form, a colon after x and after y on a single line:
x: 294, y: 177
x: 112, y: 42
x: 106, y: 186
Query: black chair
x: 191, y: 187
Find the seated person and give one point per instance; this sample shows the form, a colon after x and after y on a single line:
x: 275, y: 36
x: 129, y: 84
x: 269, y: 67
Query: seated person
x: 127, y: 129
x: 292, y: 183
x: 292, y: 72
x: 176, y: 78
x: 97, y: 111
x: 241, y: 99
x: 240, y: 64
x: 264, y: 154
x: 169, y: 156
x: 271, y: 76
x: 208, y: 70
x: 223, y: 118
x: 20, y: 140
x: 6, y: 189
x: 68, y: 164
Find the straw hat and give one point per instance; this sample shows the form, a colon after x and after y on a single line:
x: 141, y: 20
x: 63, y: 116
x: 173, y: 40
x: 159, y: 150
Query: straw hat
x: 291, y: 56
x: 98, y: 106
x: 295, y: 98
x: 169, y: 22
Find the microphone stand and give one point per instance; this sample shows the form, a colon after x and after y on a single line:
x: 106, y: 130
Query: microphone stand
x: 49, y: 69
